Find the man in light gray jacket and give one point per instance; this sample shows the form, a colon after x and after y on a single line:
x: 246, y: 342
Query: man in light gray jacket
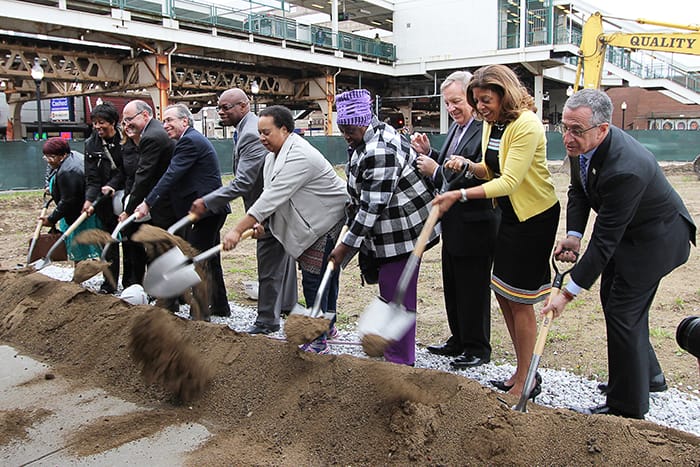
x: 276, y: 269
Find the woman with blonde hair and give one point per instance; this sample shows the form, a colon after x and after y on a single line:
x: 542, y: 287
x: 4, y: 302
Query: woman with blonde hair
x: 514, y: 163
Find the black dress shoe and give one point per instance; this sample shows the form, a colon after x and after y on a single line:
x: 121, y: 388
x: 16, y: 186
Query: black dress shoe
x: 468, y: 361
x: 447, y: 349
x: 500, y: 384
x: 607, y: 410
x: 261, y: 328
x: 657, y: 384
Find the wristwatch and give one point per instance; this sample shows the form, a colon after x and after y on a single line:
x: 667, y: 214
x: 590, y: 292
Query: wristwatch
x: 463, y: 198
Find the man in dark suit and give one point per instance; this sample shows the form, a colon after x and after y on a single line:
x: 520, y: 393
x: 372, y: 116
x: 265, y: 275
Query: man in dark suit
x: 641, y: 233
x: 155, y: 151
x: 192, y: 173
x: 155, y: 148
x: 277, y: 279
x: 468, y: 232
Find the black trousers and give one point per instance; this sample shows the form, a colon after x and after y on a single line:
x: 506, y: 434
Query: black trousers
x: 466, y: 281
x: 632, y: 361
x: 134, y: 261
x: 203, y: 235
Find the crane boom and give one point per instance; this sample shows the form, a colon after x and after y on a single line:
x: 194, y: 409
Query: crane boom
x: 594, y: 42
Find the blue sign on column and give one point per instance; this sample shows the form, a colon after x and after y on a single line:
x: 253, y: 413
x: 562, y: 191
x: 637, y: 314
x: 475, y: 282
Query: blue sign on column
x: 61, y: 109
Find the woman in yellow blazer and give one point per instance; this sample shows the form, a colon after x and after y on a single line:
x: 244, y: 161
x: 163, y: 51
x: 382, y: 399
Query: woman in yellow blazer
x: 514, y: 162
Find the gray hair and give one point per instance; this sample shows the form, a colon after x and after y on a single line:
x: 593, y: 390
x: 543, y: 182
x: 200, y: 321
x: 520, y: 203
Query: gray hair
x: 596, y: 100
x: 462, y: 77
x: 142, y: 106
x: 181, y: 111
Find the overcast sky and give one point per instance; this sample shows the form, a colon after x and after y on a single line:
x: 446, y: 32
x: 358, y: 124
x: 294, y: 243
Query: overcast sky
x: 682, y: 12
x: 671, y: 11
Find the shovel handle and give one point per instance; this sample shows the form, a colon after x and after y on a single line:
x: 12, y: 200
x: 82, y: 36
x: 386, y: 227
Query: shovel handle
x: 35, y: 235
x: 316, y: 308
x: 39, y: 224
x: 188, y: 219
x: 422, y: 241
x: 219, y: 248
x: 416, y: 255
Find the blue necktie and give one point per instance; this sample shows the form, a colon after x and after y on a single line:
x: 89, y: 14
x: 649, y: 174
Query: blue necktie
x: 583, y: 166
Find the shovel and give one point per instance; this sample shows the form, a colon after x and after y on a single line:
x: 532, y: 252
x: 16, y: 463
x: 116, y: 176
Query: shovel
x: 37, y: 231
x: 115, y: 234
x: 188, y: 219
x: 84, y: 270
x: 303, y: 324
x: 46, y: 260
x: 541, y: 337
x: 384, y: 322
x: 172, y: 273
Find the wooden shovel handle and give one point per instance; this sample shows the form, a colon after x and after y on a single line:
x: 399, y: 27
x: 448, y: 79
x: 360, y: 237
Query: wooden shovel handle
x: 428, y: 227
x: 39, y: 224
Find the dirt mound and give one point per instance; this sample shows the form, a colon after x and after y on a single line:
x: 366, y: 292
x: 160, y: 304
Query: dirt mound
x: 269, y: 403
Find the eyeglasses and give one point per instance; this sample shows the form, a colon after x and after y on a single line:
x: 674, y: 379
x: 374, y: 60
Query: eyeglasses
x: 128, y: 120
x: 577, y: 132
x: 46, y: 157
x: 227, y: 107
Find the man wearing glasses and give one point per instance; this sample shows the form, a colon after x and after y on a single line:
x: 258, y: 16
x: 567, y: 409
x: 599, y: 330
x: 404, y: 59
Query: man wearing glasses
x: 155, y: 150
x: 641, y: 233
x: 277, y: 281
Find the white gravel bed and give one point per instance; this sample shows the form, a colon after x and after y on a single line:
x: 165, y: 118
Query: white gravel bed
x: 560, y: 389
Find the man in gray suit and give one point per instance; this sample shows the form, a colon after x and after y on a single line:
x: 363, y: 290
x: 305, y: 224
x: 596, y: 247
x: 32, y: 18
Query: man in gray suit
x: 276, y: 269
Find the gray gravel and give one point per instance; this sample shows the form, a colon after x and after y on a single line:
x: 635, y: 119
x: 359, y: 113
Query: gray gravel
x: 560, y: 389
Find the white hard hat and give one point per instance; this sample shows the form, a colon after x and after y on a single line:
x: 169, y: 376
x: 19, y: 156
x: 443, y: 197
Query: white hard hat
x: 135, y: 295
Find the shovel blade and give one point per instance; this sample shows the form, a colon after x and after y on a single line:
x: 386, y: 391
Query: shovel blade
x: 173, y: 283
x: 41, y: 263
x: 169, y: 275
x: 385, y: 319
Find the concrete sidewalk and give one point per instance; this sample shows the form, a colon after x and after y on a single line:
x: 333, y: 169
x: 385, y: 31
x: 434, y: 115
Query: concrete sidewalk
x: 24, y: 387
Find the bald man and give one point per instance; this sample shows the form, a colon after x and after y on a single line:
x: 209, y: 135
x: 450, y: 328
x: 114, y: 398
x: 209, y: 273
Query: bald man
x: 277, y: 279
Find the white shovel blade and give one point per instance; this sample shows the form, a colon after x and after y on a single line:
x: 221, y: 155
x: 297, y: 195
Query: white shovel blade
x: 385, y: 320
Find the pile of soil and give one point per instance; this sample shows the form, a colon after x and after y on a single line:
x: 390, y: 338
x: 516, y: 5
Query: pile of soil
x: 269, y: 403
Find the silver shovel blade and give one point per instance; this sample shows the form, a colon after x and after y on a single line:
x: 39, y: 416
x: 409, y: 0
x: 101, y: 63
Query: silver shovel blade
x: 169, y: 275
x: 173, y: 283
x: 41, y: 263
x: 387, y: 320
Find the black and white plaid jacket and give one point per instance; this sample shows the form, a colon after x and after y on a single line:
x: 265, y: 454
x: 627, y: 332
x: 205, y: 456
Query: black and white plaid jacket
x: 390, y: 198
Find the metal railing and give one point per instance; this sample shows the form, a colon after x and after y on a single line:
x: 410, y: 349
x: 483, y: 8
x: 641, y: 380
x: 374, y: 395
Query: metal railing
x: 645, y: 68
x: 223, y: 18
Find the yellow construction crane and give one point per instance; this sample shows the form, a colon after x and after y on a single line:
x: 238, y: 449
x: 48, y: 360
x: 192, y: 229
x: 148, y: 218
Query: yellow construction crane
x: 594, y: 41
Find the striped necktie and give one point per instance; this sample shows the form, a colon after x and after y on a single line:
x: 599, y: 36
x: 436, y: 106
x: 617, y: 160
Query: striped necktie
x: 583, y: 167
x: 455, y: 140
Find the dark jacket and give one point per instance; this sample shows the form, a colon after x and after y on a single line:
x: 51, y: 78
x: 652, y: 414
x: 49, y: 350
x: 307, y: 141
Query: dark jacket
x: 193, y: 172
x: 68, y: 190
x: 155, y: 150
x: 468, y: 229
x: 642, y: 222
x: 103, y: 167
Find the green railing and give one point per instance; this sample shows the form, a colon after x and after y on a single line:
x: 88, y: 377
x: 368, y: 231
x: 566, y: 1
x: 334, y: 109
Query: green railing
x: 191, y: 13
x: 22, y: 166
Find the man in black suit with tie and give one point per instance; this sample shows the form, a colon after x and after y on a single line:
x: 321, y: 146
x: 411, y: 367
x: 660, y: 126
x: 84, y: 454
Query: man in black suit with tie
x: 468, y: 231
x: 155, y: 148
x: 641, y: 233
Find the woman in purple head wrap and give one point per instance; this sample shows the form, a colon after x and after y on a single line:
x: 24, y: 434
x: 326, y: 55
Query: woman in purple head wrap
x: 384, y: 188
